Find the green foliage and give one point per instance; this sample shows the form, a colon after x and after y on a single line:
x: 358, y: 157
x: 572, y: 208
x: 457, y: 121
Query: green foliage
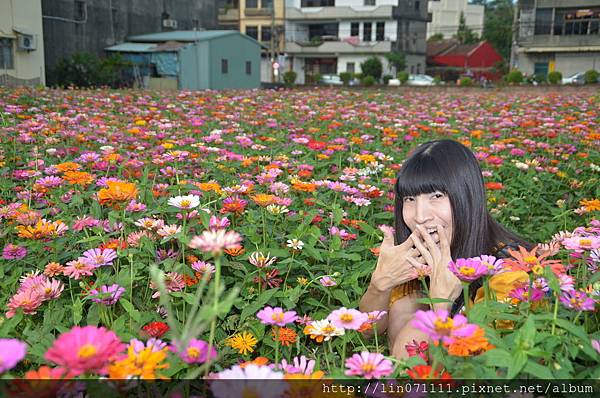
x: 372, y: 67
x: 397, y: 59
x: 346, y: 77
x: 368, y: 80
x: 87, y: 70
x: 591, y: 76
x: 289, y: 77
x: 539, y: 78
x: 514, y: 77
x: 402, y: 76
x: 386, y: 79
x: 497, y: 25
x: 317, y: 78
x: 464, y: 35
x: 465, y: 81
x: 436, y: 37
x: 554, y: 77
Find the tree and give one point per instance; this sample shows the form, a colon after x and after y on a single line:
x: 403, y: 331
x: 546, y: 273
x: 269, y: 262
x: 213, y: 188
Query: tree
x: 497, y: 25
x: 372, y: 67
x: 397, y: 60
x: 436, y: 37
x: 464, y: 35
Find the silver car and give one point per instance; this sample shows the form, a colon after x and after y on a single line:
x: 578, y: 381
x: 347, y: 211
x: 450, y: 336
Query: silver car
x: 420, y: 80
x: 333, y: 80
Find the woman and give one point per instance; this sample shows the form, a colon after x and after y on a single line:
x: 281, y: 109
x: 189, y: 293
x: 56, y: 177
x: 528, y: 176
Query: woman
x: 440, y: 215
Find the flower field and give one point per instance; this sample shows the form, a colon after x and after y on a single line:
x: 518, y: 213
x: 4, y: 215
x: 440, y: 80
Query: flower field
x: 232, y: 234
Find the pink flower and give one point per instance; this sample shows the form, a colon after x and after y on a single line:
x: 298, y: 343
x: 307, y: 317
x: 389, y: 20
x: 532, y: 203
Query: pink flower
x: 153, y: 343
x: 215, y: 241
x: 27, y: 300
x: 218, y: 223
x: 50, y: 289
x: 375, y: 316
x: 420, y: 349
x: 578, y: 300
x: 98, y: 257
x: 173, y: 282
x: 439, y: 326
x: 300, y: 365
x: 276, y: 316
x: 581, y: 243
x: 494, y: 265
x: 108, y: 295
x: 248, y: 382
x: 468, y: 269
x: 86, y: 349
x: 77, y: 268
x: 327, y: 281
x: 13, y: 252
x: 13, y: 351
x: 347, y: 318
x: 527, y: 295
x: 596, y: 345
x: 369, y: 365
x: 195, y: 352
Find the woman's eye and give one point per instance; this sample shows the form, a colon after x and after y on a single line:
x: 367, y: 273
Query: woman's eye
x: 438, y: 195
x: 408, y: 199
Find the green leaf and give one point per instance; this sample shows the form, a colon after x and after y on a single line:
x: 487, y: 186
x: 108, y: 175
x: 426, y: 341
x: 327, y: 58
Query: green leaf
x: 77, y: 311
x: 338, y: 214
x: 341, y: 296
x: 432, y: 300
x: 133, y: 313
x: 519, y: 359
x: 497, y: 357
x: 573, y: 329
x: 537, y: 370
x: 594, y: 278
x: 312, y: 252
x: 258, y: 304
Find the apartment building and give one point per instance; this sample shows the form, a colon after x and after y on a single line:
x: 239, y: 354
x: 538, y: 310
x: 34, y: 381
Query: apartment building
x: 557, y: 35
x: 445, y: 15
x: 334, y: 36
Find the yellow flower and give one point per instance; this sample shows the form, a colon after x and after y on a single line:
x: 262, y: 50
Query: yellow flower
x: 143, y: 364
x: 243, y: 342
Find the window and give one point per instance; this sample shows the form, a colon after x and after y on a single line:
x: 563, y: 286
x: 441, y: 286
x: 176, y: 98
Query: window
x: 354, y: 29
x: 417, y: 5
x: 350, y: 67
x: 80, y: 10
x: 543, y: 21
x: 248, y: 67
x: 369, y: 2
x: 540, y: 68
x: 252, y: 31
x: 379, y: 31
x: 265, y: 33
x: 251, y: 3
x: 224, y: 66
x: 418, y: 68
x: 317, y: 3
x: 412, y: 69
x: 266, y: 4
x: 6, y: 53
x: 367, y: 31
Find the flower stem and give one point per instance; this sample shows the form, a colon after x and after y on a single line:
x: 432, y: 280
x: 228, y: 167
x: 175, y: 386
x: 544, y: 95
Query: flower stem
x: 213, y: 323
x: 555, y: 312
x: 343, y: 353
x: 466, y: 296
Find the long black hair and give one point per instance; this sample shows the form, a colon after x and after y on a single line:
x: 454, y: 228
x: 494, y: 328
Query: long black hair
x: 450, y: 167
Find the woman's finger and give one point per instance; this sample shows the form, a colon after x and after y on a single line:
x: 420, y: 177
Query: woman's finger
x: 423, y: 250
x: 444, y: 240
x: 433, y: 249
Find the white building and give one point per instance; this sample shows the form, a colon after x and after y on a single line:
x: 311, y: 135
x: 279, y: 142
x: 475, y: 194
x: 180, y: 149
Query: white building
x: 334, y: 36
x: 21, y: 43
x: 445, y: 15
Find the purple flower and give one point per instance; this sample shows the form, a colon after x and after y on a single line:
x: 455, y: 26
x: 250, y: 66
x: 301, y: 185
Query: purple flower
x: 276, y: 316
x: 13, y: 351
x: 108, y: 295
x: 154, y: 343
x: 578, y: 300
x: 13, y: 252
x: 195, y: 352
x: 369, y: 365
x: 98, y: 257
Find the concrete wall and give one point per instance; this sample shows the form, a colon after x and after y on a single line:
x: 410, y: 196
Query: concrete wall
x: 446, y: 15
x: 28, y: 66
x: 237, y: 50
x: 356, y: 4
x: 111, y: 21
x: 566, y: 63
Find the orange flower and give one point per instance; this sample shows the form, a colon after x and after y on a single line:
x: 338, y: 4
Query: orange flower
x: 235, y: 251
x: 117, y: 193
x: 304, y: 186
x: 209, y: 186
x: 262, y: 199
x: 425, y: 372
x: 527, y: 261
x: 493, y: 186
x: 590, y: 204
x: 189, y: 280
x: 258, y: 361
x: 474, y: 344
x: 285, y: 336
x: 67, y: 166
x: 78, y: 178
x: 114, y: 244
x: 41, y: 230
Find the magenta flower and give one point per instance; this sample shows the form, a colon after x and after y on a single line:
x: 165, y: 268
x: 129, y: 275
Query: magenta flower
x: 578, y: 300
x: 195, y: 352
x: 348, y: 318
x: 108, y: 295
x: 98, y: 257
x: 13, y: 351
x: 369, y: 365
x: 215, y: 241
x: 439, y: 326
x: 527, y: 295
x: 276, y: 316
x: 13, y: 252
x: 327, y: 281
x: 468, y: 269
x: 86, y: 349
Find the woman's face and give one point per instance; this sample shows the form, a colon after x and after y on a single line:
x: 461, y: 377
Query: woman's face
x: 428, y: 210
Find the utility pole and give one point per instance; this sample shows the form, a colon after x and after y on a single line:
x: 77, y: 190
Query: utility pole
x: 514, y: 36
x: 272, y: 51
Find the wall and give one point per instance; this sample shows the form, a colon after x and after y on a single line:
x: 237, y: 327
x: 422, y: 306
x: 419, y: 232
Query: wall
x: 237, y: 50
x: 28, y: 66
x: 111, y: 21
x: 195, y: 66
x: 446, y: 15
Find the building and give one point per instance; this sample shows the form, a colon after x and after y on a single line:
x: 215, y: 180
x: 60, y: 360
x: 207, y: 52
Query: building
x: 263, y: 20
x: 74, y: 26
x: 449, y: 60
x: 557, y: 35
x: 193, y: 60
x: 445, y: 15
x: 334, y: 36
x: 21, y: 43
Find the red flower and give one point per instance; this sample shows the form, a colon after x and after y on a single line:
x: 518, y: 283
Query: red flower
x: 494, y: 186
x: 419, y: 349
x: 424, y: 372
x: 155, y: 329
x: 317, y: 145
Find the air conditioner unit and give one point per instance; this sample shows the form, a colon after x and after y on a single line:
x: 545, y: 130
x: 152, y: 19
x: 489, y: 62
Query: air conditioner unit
x: 169, y: 23
x: 26, y: 42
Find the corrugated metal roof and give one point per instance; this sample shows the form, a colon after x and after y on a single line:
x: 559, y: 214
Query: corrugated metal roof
x: 573, y: 49
x: 182, y: 35
x: 128, y: 47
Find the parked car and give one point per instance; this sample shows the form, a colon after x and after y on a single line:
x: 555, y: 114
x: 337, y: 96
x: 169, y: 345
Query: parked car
x: 576, y: 78
x: 393, y: 82
x: 420, y: 80
x: 332, y: 80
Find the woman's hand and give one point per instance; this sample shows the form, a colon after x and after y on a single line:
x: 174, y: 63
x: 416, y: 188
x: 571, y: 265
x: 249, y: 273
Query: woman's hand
x: 393, y: 268
x: 443, y: 283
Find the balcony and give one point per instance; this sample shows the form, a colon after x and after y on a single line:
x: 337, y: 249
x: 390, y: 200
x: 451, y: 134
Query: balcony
x: 337, y: 47
x: 411, y: 14
x: 229, y: 14
x: 542, y: 43
x: 338, y: 13
x: 258, y: 12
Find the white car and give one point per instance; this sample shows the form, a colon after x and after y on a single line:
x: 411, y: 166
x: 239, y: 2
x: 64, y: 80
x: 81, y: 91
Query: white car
x: 420, y: 80
x: 333, y: 80
x: 576, y: 78
x: 393, y: 82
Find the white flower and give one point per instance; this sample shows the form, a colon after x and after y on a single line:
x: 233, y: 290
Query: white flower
x: 259, y: 260
x: 185, y: 202
x: 521, y: 166
x: 249, y: 381
x: 214, y: 241
x: 295, y: 244
x: 169, y: 230
x: 277, y: 209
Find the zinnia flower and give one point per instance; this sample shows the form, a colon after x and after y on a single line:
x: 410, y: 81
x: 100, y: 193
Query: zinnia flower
x: 117, y: 193
x: 524, y: 260
x: 368, y: 365
x: 215, y: 241
x: 581, y: 243
x: 468, y: 269
x: 185, y: 202
x: 12, y: 351
x: 86, y: 349
x: 248, y: 381
x: 300, y: 365
x: 493, y: 264
x: 285, y: 336
x: 28, y: 300
x: 439, y: 326
x: 578, y: 300
x: 475, y: 344
x: 243, y: 342
x: 327, y: 281
x: 98, y: 257
x: 276, y: 316
x: 420, y: 349
x: 259, y: 260
x: 347, y: 318
x: 108, y: 295
x: 195, y: 352
x: 13, y: 252
x: 77, y: 268
x: 426, y: 372
x: 322, y: 330
x: 142, y: 364
x: 155, y: 329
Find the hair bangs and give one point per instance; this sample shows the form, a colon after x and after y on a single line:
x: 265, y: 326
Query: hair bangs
x: 419, y: 176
